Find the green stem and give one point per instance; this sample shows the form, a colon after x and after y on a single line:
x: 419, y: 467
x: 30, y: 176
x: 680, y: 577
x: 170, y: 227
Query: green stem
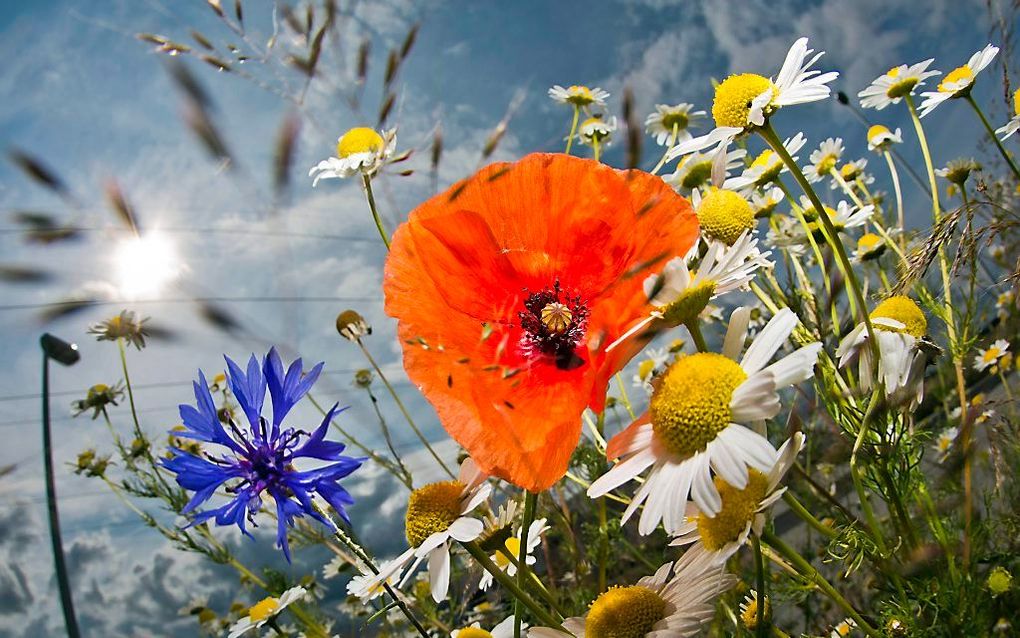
x: 573, y: 129
x: 134, y: 416
x: 530, y: 499
x: 812, y: 574
x: 899, y: 199
x: 596, y: 147
x: 669, y: 147
x: 699, y: 339
x: 367, y: 181
x: 761, y: 626
x: 403, y: 410
x: 624, y: 399
x: 504, y: 580
x: 991, y: 134
x: 801, y: 511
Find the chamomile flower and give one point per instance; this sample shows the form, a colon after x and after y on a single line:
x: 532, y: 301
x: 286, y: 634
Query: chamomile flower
x: 724, y: 215
x: 765, y: 202
x: 693, y: 425
x: 743, y: 102
x: 823, y: 159
x: 881, y: 138
x: 679, y: 295
x: 578, y: 95
x: 654, y: 362
x: 436, y: 515
x: 990, y: 356
x: 899, y: 326
x: 851, y: 172
x: 716, y: 538
x: 701, y: 170
x: 266, y: 610
x: 512, y: 549
x: 1013, y: 125
x: 596, y: 130
x: 749, y: 610
x: 676, y: 601
x: 959, y: 81
x: 505, y: 629
x: 895, y: 84
x: 666, y: 119
x: 766, y: 168
x: 361, y: 150
x: 787, y: 234
x: 843, y: 629
x: 1005, y: 303
x: 958, y: 171
x: 869, y: 247
x: 944, y: 442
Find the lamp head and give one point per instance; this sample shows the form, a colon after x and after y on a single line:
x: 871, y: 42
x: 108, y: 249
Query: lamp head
x: 59, y: 350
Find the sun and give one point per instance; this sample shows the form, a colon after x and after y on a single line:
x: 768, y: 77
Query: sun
x: 145, y: 264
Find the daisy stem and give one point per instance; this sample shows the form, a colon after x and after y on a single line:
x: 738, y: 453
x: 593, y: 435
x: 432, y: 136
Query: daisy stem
x: 403, y: 409
x: 596, y: 147
x: 573, y: 129
x: 761, y: 625
x: 530, y: 499
x: 948, y: 318
x: 669, y: 147
x: 799, y: 214
x: 855, y: 472
x: 699, y: 339
x: 899, y: 198
x: 347, y: 541
x: 370, y: 196
x: 503, y: 579
x: 814, y: 576
x: 801, y: 511
x: 1005, y: 385
x: 991, y: 134
x: 769, y: 134
x: 540, y: 587
x: 603, y: 525
x: 623, y: 396
x: 134, y: 416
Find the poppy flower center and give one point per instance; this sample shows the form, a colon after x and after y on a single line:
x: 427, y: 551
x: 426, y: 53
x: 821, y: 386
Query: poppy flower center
x: 738, y: 509
x: 624, y: 612
x: 554, y: 324
x: 431, y: 509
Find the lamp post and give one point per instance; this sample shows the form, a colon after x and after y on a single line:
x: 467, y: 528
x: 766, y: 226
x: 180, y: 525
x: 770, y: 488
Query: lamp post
x: 65, y: 354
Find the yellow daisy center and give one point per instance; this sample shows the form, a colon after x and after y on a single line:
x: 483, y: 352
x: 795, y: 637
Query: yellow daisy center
x: 770, y: 165
x: 206, y: 615
x: 999, y: 580
x: 689, y: 304
x: 738, y: 510
x: 904, y: 310
x: 431, y: 509
x: 645, y: 369
x: 733, y: 98
x: 843, y: 629
x: 263, y: 609
x: 513, y: 549
x: 725, y: 215
x: 750, y: 614
x: 359, y: 140
x: 675, y: 119
x: 875, y: 131
x: 594, y: 128
x: 960, y: 73
x: 580, y: 95
x: 826, y: 164
x: 473, y: 632
x: 901, y: 88
x: 624, y: 612
x: 850, y: 171
x: 697, y: 174
x: 1016, y: 102
x: 870, y: 245
x: 991, y: 355
x: 691, y: 406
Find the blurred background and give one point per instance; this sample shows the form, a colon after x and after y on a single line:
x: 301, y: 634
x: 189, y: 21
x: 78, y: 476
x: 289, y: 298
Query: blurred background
x: 158, y: 157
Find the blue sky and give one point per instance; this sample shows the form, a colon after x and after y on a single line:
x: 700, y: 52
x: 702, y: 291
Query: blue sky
x: 79, y: 91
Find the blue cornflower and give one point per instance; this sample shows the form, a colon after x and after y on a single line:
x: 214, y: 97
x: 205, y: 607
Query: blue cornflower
x: 262, y: 458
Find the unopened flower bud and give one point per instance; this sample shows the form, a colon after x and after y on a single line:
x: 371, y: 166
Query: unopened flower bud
x: 352, y: 326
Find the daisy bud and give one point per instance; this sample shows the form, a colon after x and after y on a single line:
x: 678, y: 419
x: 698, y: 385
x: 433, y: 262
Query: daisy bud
x: 363, y: 378
x: 352, y: 326
x: 999, y: 581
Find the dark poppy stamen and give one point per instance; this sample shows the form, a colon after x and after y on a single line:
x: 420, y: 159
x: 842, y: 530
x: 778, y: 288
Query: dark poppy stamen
x: 554, y: 324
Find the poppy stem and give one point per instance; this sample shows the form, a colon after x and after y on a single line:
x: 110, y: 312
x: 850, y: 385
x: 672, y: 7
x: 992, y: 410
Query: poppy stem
x: 375, y: 211
x: 530, y: 500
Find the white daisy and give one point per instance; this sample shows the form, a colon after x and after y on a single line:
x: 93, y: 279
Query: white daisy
x: 436, y: 515
x: 666, y: 118
x: 693, y: 424
x: 880, y: 138
x: 766, y: 168
x: 843, y: 629
x: 653, y: 363
x: 505, y: 629
x: 869, y: 247
x: 765, y: 202
x: 717, y: 538
x: 843, y: 217
x: 502, y: 558
x: 851, y: 171
x: 359, y: 150
x: 596, y: 130
x: 943, y: 444
x: 958, y: 171
x: 787, y: 234
x: 265, y: 610
x: 959, y: 81
x: 679, y: 295
x: 1013, y: 125
x: 578, y: 95
x: 989, y: 357
x: 699, y: 170
x: 899, y: 326
x: 676, y: 602
x: 749, y: 610
x: 823, y: 159
x: 1005, y: 303
x: 895, y: 84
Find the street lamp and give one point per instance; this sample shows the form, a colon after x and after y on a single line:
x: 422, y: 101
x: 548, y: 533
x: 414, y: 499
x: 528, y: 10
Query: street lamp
x: 66, y: 354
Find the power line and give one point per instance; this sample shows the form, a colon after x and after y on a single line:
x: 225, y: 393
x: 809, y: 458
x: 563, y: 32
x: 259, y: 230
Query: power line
x: 176, y: 300
x: 198, y: 231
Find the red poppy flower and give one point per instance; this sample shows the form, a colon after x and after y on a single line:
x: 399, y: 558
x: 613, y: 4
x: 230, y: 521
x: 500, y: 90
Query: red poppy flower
x: 508, y: 288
